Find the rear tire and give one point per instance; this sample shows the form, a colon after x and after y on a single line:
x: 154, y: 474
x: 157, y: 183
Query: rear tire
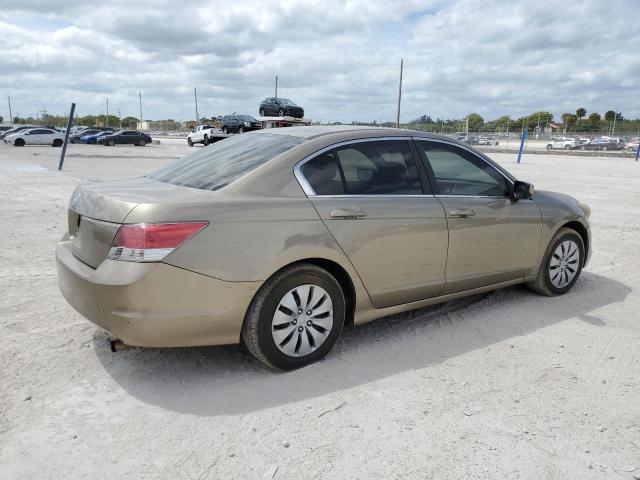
x: 19, y: 142
x: 110, y: 143
x: 75, y: 140
x: 57, y: 143
x: 241, y: 129
x: 261, y: 112
x: 189, y: 142
x: 225, y: 130
x: 549, y: 147
x: 281, y: 113
x: 547, y: 283
x: 267, y: 311
x: 142, y: 143
x: 205, y: 141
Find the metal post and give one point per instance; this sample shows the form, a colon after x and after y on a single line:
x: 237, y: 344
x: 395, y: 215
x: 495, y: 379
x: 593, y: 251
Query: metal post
x: 195, y: 95
x: 10, y: 114
x: 524, y: 137
x: 399, y: 94
x: 106, y: 119
x: 638, y: 152
x: 66, y: 136
x: 276, y: 86
x: 120, y: 119
x: 140, y: 97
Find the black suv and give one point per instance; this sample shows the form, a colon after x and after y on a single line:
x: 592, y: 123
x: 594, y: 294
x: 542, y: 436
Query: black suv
x: 280, y: 107
x: 239, y: 123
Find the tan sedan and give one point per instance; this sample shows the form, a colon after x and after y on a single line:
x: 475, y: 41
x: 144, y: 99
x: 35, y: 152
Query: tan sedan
x: 278, y: 238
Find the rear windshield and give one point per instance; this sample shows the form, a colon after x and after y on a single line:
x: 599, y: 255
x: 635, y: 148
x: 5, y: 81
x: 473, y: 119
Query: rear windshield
x: 217, y: 165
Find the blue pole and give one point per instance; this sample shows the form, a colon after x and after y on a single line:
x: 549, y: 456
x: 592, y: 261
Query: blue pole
x: 638, y: 152
x: 524, y: 137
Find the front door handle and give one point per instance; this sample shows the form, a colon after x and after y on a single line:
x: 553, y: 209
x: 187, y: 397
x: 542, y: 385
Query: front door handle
x: 462, y: 212
x: 348, y: 213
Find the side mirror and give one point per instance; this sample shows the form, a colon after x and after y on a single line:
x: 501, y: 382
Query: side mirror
x: 522, y: 190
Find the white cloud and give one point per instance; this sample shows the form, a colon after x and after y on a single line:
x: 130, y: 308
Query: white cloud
x: 338, y: 59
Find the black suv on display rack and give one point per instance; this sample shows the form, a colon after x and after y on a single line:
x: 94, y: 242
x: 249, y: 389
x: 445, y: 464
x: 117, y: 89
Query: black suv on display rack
x: 280, y: 107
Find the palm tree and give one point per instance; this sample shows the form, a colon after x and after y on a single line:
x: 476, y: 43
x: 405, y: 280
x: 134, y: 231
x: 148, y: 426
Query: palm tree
x: 610, y: 116
x: 581, y: 112
x: 594, y: 121
x: 571, y: 120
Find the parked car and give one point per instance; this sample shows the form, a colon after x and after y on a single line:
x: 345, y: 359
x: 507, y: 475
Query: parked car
x: 5, y: 128
x: 201, y: 134
x: 632, y: 146
x: 276, y: 238
x: 280, y: 107
x: 17, y: 129
x: 600, y: 145
x: 487, y: 141
x: 36, y: 136
x: 239, y: 123
x: 92, y: 137
x: 561, y: 143
x: 76, y: 136
x: 125, y: 137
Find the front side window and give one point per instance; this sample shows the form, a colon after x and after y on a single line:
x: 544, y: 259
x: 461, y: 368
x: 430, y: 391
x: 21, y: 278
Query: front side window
x: 460, y: 172
x: 223, y: 162
x: 383, y: 167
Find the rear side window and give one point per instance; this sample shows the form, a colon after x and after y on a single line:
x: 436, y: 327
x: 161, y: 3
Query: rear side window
x: 217, y: 165
x: 383, y: 167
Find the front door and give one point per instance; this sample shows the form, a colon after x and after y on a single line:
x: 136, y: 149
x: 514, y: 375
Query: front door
x: 371, y: 198
x: 492, y: 237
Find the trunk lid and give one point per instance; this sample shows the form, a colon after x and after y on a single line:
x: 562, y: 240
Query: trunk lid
x: 97, y: 210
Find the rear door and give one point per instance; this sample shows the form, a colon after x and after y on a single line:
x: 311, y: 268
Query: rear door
x: 374, y: 200
x: 40, y: 136
x: 492, y: 237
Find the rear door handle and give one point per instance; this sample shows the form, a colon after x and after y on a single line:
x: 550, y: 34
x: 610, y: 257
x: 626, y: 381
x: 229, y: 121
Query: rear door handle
x: 346, y: 213
x: 462, y: 212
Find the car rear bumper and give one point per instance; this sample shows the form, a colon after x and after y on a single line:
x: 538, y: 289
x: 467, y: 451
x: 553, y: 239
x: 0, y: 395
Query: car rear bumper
x: 154, y: 304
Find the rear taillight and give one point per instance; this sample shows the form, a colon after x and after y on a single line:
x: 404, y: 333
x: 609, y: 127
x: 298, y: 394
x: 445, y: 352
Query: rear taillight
x: 151, y: 242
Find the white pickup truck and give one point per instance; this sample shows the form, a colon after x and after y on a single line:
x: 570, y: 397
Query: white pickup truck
x: 201, y: 134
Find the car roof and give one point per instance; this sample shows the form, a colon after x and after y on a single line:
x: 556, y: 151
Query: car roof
x: 316, y: 131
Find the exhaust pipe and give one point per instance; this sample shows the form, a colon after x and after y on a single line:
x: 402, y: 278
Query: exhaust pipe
x: 118, y: 345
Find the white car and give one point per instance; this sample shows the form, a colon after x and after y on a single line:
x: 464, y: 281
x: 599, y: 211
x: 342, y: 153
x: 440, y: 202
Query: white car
x: 36, y: 136
x: 632, y: 146
x: 201, y: 134
x: 562, y: 144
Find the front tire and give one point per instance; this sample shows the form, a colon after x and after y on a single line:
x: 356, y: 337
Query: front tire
x: 225, y: 130
x: 205, y: 141
x: 295, y: 318
x: 240, y: 129
x: 19, y: 142
x: 110, y: 143
x: 561, y: 265
x: 549, y: 147
x: 281, y: 113
x: 261, y: 112
x: 189, y: 142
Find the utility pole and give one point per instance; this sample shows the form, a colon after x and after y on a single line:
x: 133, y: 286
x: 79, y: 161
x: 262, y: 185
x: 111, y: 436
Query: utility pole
x: 10, y: 114
x: 399, y: 94
x: 140, y: 97
x: 120, y: 119
x: 106, y: 119
x: 466, y: 126
x: 276, y: 86
x: 195, y: 95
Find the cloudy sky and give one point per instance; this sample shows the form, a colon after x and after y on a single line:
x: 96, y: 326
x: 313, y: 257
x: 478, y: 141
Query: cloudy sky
x: 338, y: 59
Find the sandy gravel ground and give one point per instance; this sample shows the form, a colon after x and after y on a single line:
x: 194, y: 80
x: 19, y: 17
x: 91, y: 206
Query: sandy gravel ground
x: 507, y: 385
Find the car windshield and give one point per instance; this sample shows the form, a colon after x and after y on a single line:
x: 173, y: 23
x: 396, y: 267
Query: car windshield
x: 286, y: 101
x: 223, y: 162
x: 246, y: 118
